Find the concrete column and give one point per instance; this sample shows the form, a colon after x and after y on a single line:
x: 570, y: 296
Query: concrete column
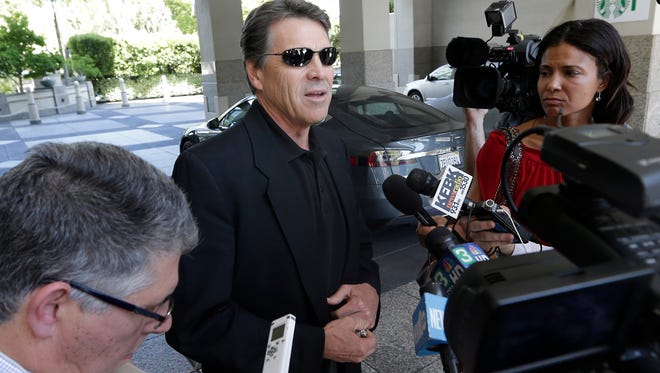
x: 412, y: 23
x: 124, y: 96
x: 33, y: 110
x: 165, y: 88
x: 645, y: 76
x: 219, y: 24
x: 80, y: 105
x: 366, y: 53
x: 402, y: 40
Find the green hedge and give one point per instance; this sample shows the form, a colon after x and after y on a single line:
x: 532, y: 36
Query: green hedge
x: 150, y: 87
x: 157, y: 58
x: 94, y: 50
x: 142, y: 64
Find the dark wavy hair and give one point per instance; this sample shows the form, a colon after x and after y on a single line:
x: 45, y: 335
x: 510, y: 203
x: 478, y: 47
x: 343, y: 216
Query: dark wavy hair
x: 602, y: 41
x: 255, y: 34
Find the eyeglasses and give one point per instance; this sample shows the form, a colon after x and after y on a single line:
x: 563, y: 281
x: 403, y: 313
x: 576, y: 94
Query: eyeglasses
x: 299, y: 57
x: 125, y: 305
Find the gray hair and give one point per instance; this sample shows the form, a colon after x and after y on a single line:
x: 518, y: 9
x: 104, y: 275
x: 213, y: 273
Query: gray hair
x: 255, y: 35
x: 87, y: 212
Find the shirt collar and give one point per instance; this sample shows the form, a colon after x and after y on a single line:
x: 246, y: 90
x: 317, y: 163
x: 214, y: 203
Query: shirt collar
x: 290, y: 149
x: 7, y: 365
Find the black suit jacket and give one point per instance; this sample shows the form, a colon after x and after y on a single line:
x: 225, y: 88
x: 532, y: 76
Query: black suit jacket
x: 256, y: 260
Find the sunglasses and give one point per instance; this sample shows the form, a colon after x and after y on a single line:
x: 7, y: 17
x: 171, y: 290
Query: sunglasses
x: 299, y: 57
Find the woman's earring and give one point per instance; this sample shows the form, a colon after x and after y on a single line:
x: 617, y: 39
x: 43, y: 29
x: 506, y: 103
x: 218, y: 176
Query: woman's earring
x: 598, y: 96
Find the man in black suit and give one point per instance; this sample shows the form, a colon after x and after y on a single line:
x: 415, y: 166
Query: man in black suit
x: 279, y: 222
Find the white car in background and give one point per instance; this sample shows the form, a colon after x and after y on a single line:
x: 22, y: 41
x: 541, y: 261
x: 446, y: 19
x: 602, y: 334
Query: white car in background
x: 439, y: 83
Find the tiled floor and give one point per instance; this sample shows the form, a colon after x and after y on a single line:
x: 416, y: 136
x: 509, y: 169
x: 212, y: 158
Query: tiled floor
x: 151, y: 129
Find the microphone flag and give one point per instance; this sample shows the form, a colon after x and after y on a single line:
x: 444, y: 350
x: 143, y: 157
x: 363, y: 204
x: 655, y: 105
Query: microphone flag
x: 452, y: 190
x: 428, y: 328
x: 451, y: 266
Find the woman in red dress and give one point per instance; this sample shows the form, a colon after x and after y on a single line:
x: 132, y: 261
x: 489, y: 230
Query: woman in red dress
x: 583, y: 79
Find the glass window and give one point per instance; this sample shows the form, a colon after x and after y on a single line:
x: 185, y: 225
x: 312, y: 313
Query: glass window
x: 235, y: 115
x: 444, y: 72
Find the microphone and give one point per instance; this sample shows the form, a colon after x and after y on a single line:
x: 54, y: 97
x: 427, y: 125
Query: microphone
x: 449, y: 196
x: 467, y: 52
x: 453, y: 258
x: 428, y: 326
x: 406, y: 200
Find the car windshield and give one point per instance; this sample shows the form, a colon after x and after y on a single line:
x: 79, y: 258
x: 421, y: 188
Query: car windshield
x: 444, y: 72
x: 236, y: 114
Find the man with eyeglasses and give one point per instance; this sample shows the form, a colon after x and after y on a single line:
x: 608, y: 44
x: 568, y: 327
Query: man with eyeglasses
x: 280, y: 231
x: 90, y: 241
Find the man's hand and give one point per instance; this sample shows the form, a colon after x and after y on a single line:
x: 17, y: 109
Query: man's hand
x: 342, y: 342
x: 423, y: 230
x: 361, y: 302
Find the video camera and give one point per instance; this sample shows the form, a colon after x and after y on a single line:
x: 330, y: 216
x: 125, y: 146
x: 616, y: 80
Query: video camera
x: 594, y: 301
x: 504, y: 77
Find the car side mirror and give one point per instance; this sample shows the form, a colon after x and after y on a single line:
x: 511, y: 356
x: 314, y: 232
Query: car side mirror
x: 213, y: 124
x: 430, y: 78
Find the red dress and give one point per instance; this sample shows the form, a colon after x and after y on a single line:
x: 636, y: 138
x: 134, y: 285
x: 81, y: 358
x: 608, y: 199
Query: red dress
x: 533, y: 172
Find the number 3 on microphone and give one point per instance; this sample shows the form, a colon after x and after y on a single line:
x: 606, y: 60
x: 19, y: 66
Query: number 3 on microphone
x: 462, y: 254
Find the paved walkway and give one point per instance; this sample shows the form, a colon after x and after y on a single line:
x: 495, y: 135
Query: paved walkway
x: 149, y: 128
x: 152, y: 129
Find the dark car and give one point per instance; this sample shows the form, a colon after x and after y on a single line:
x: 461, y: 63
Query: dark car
x: 386, y: 133
x: 233, y: 115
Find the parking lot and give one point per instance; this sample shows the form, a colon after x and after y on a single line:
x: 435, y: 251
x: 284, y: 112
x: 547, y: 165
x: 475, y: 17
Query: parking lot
x: 152, y: 129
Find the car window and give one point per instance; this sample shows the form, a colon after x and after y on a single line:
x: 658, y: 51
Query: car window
x: 376, y: 108
x: 444, y: 72
x: 336, y: 79
x: 235, y: 115
x: 395, y: 114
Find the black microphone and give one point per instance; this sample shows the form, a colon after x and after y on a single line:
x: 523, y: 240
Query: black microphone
x: 467, y: 52
x: 453, y: 258
x: 448, y: 201
x: 406, y: 200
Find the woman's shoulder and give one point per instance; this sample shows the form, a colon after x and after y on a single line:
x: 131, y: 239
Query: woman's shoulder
x: 500, y: 132
x: 496, y: 135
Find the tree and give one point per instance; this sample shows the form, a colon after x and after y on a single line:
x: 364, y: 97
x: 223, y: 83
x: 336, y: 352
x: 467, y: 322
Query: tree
x: 334, y: 36
x: 85, y: 66
x: 18, y: 56
x: 183, y: 15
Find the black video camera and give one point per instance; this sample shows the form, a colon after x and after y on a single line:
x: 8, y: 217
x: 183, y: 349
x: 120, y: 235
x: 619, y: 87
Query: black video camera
x: 593, y: 303
x: 503, y: 77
